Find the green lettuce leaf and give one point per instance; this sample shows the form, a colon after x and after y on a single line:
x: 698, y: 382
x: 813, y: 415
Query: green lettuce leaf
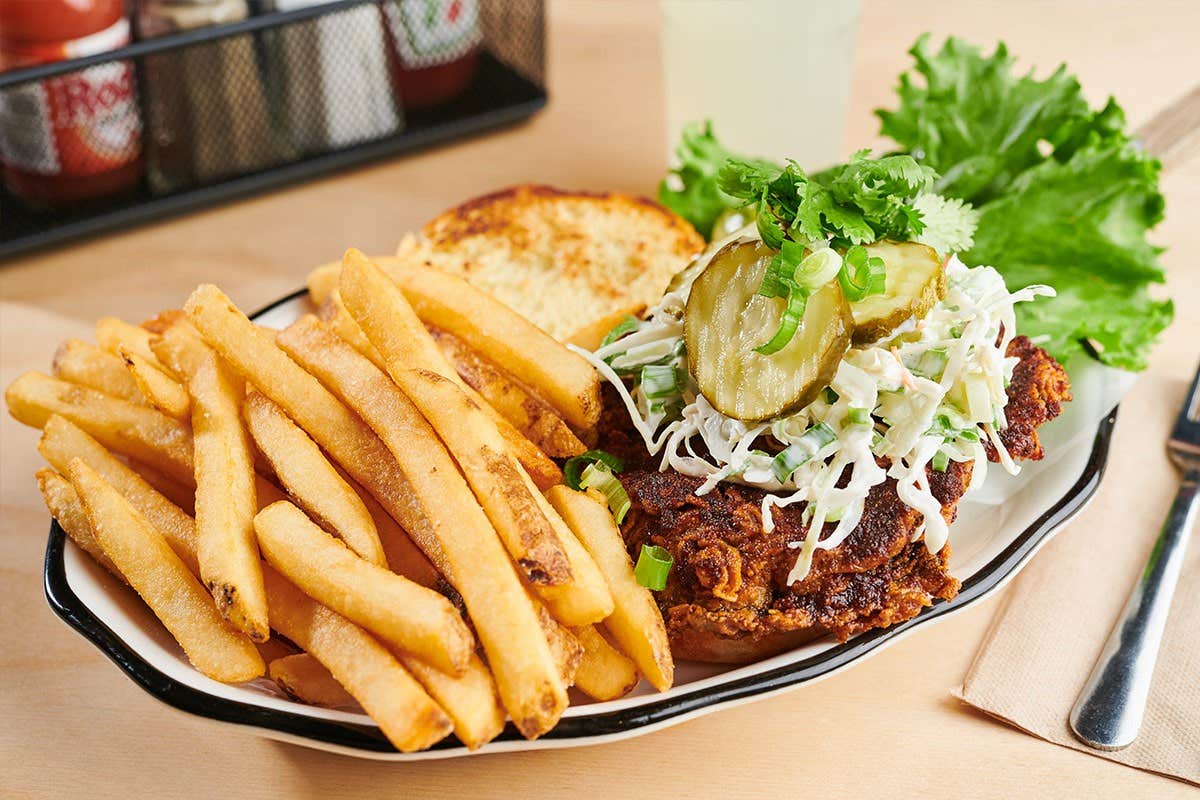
x: 1080, y: 226
x: 1065, y: 196
x: 975, y: 122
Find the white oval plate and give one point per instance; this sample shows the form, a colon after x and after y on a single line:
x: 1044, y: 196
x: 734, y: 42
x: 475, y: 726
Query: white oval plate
x: 998, y: 530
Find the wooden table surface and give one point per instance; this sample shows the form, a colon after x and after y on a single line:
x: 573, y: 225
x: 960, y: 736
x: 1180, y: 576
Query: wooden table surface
x: 72, y: 726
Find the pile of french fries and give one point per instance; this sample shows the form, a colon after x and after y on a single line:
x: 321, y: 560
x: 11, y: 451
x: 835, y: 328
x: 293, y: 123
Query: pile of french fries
x: 364, y: 507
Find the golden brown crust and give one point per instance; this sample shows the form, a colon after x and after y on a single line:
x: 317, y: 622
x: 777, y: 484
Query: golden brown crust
x: 1038, y: 388
x: 561, y: 258
x: 499, y: 213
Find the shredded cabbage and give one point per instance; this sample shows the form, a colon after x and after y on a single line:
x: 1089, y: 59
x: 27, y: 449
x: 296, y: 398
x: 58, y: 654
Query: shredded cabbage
x: 931, y: 387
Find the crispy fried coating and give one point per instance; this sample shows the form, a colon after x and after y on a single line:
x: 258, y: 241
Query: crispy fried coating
x: 1036, y: 393
x: 727, y: 599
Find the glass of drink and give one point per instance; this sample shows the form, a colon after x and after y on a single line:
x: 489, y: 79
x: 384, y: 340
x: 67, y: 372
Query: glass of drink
x: 773, y: 76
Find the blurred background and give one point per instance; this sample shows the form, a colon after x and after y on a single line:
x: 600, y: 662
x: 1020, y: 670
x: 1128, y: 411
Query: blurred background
x: 114, y: 112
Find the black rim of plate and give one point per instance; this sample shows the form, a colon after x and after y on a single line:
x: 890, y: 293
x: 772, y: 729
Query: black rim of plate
x: 71, y: 609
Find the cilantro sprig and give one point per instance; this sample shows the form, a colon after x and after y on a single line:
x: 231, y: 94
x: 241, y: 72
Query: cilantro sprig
x: 859, y: 202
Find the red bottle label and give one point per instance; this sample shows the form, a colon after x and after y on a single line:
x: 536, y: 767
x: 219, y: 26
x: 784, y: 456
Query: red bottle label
x: 82, y: 123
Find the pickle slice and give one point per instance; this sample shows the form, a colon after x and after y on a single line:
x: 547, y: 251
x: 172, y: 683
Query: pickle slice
x: 694, y: 267
x: 915, y: 281
x: 726, y: 319
x: 687, y: 274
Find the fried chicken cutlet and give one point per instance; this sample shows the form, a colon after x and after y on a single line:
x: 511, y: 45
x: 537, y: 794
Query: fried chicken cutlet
x: 727, y: 600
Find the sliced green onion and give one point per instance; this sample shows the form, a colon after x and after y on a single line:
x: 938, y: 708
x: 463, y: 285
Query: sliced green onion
x: 660, y: 380
x: 670, y: 409
x: 942, y: 427
x: 598, y: 476
x: 789, y: 323
x: 820, y: 434
x: 861, y: 274
x: 788, y: 460
x: 573, y: 469
x: 970, y: 435
x: 835, y: 514
x: 792, y: 253
x: 772, y: 281
x: 940, y: 461
x: 627, y: 325
x: 830, y: 395
x: 800, y: 452
x: 640, y: 354
x: 932, y: 363
x: 653, y: 566
x: 818, y: 268
x: 856, y: 415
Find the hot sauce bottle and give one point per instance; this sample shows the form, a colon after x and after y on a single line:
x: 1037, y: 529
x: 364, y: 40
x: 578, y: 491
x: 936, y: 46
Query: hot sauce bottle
x: 77, y: 136
x: 436, y: 48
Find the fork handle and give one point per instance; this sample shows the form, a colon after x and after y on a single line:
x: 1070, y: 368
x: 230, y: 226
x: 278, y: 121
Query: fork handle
x: 1108, y: 713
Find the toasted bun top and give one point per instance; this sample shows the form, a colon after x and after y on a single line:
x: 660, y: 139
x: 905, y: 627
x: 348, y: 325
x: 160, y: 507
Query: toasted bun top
x: 563, y: 259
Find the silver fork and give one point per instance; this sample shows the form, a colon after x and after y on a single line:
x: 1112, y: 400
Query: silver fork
x: 1108, y: 713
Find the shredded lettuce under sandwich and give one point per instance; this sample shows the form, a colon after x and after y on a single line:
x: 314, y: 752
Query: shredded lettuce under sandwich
x: 926, y: 395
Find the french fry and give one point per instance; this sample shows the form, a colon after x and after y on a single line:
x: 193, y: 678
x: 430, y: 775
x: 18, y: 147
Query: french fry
x: 547, y: 555
x: 417, y: 620
x: 86, y: 364
x: 470, y: 699
x: 590, y: 336
x: 180, y: 494
x: 112, y: 334
x: 323, y: 281
x: 225, y: 497
x: 493, y: 474
x: 182, y: 350
x: 338, y: 430
x: 164, y: 581
x: 179, y: 348
x: 403, y: 555
x: 405, y: 713
x: 566, y: 648
x: 63, y: 504
x: 383, y: 314
x: 636, y: 623
x: 163, y: 320
x: 442, y: 516
x: 62, y: 442
x: 303, y: 678
x: 311, y: 479
x: 501, y: 335
x: 273, y: 649
x: 588, y: 599
x: 334, y: 314
x: 605, y: 673
x: 160, y: 389
x: 528, y: 413
x: 143, y: 433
